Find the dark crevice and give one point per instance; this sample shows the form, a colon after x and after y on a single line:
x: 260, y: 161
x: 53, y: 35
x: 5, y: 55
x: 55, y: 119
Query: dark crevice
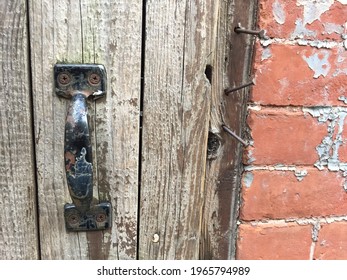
x: 142, y: 89
x: 32, y: 115
x: 208, y: 73
x: 213, y: 145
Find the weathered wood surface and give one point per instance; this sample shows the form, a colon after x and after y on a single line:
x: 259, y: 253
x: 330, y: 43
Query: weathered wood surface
x: 101, y: 32
x: 177, y: 102
x: 190, y: 186
x: 18, y: 233
x: 190, y: 168
x: 232, y: 64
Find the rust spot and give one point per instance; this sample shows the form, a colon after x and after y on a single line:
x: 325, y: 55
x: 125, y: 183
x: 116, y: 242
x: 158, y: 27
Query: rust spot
x: 69, y: 160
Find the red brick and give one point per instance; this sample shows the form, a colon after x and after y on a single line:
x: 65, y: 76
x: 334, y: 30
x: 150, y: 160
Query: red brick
x: 279, y: 195
x: 281, y: 137
x: 284, y: 77
x: 332, y: 242
x: 274, y: 242
x: 319, y: 29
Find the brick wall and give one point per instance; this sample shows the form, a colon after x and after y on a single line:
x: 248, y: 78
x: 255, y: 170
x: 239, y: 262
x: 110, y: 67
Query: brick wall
x: 294, y: 187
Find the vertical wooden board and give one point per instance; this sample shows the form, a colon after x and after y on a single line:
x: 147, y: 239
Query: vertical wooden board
x: 232, y: 62
x: 18, y: 232
x: 88, y: 32
x: 112, y: 36
x: 55, y: 35
x: 175, y: 127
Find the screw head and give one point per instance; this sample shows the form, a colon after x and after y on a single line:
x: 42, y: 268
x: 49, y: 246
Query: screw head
x: 94, y: 79
x: 64, y: 78
x: 100, y: 217
x: 73, y: 219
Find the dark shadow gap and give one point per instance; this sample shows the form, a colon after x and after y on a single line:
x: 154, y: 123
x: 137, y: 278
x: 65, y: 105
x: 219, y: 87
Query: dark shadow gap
x: 32, y: 113
x: 142, y: 90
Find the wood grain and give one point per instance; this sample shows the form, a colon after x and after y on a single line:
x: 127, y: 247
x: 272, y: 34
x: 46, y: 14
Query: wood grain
x: 18, y: 233
x: 177, y: 102
x: 232, y: 64
x: 100, y: 32
x: 191, y: 168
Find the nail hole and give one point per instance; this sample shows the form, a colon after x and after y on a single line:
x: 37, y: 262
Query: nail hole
x: 208, y: 73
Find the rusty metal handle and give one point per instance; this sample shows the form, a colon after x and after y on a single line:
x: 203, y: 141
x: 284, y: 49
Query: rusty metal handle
x: 78, y: 153
x: 79, y: 83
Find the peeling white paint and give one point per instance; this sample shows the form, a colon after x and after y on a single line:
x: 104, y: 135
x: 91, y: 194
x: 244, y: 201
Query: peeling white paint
x: 248, y: 179
x: 250, y: 157
x: 328, y: 149
x: 320, y: 66
x: 266, y: 54
x: 341, y: 63
x: 301, y: 31
x: 331, y: 28
x: 314, y: 9
x: 343, y: 99
x: 315, y: 231
x: 279, y: 12
x: 300, y: 174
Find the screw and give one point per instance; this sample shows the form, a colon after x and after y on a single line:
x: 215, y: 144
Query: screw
x: 259, y: 33
x: 230, y: 132
x: 64, y: 78
x: 73, y: 219
x: 100, y: 217
x: 94, y: 79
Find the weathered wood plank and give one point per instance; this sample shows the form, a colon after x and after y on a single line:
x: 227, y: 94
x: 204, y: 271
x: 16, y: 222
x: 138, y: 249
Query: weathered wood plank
x: 177, y: 100
x: 18, y: 234
x: 112, y: 36
x: 88, y: 32
x: 232, y: 61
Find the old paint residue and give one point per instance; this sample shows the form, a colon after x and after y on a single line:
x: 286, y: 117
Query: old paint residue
x: 300, y: 174
x: 314, y: 9
x: 319, y: 63
x: 279, y: 12
x: 328, y: 149
x: 333, y: 28
x: 266, y: 54
x: 301, y: 31
x: 341, y: 63
x: 247, y: 179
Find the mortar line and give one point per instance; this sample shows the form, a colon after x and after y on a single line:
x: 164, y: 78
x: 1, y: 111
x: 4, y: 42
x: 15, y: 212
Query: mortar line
x: 300, y: 221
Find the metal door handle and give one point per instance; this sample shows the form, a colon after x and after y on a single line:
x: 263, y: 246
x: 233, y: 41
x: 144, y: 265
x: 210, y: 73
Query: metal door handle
x: 79, y: 82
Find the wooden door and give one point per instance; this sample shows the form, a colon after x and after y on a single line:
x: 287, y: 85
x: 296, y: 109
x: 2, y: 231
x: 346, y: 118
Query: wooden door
x: 159, y: 153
